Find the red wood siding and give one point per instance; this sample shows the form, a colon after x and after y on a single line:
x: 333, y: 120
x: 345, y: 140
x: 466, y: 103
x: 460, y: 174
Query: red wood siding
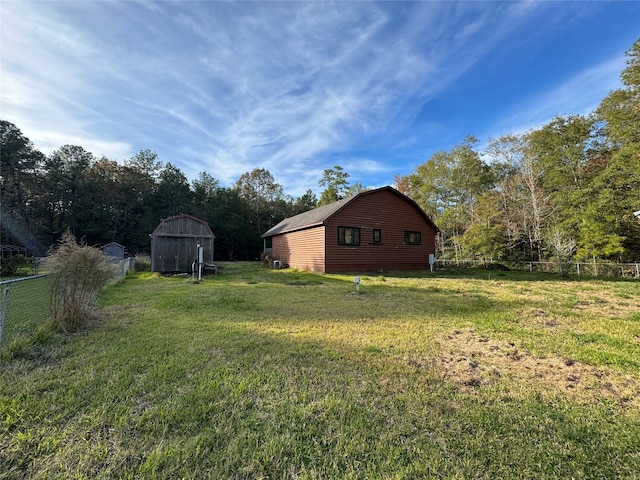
x: 393, y: 215
x: 303, y: 249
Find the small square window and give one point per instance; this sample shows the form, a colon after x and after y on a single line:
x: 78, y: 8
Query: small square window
x: 348, y: 236
x: 377, y: 235
x: 412, y: 238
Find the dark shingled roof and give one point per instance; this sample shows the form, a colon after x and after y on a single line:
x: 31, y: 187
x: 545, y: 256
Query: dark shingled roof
x: 310, y: 218
x: 318, y: 216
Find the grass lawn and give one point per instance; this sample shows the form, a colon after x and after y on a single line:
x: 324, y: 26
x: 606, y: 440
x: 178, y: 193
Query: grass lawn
x: 282, y: 374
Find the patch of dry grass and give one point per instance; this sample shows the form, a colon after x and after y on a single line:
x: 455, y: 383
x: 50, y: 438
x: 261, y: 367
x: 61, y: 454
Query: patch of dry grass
x: 473, y: 360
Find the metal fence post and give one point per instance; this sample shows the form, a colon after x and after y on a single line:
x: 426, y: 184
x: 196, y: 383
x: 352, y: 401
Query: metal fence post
x: 3, y: 309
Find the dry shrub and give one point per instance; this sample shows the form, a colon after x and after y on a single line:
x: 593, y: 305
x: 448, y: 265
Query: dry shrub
x: 142, y: 264
x: 78, y: 274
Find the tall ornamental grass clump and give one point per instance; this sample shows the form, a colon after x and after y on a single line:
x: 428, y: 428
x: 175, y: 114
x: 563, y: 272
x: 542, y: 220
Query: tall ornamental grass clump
x: 78, y: 273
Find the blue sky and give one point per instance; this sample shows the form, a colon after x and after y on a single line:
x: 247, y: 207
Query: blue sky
x: 298, y: 87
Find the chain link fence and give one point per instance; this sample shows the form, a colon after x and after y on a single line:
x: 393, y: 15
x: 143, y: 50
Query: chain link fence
x: 25, y: 301
x: 24, y: 306
x: 123, y: 266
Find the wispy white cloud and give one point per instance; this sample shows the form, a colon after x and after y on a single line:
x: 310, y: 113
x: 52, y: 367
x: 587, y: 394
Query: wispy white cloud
x: 225, y: 87
x: 579, y: 94
x: 46, y: 72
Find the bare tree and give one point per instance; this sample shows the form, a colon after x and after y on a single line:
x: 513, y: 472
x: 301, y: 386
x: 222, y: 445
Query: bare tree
x: 562, y: 245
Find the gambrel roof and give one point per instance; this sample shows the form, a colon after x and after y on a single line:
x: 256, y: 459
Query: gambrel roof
x: 164, y: 229
x: 318, y: 216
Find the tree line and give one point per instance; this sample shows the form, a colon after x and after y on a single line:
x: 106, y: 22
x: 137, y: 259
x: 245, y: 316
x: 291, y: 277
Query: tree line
x: 100, y: 200
x: 567, y: 190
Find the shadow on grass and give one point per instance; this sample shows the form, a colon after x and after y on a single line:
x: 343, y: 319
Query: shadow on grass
x: 267, y: 403
x: 239, y: 384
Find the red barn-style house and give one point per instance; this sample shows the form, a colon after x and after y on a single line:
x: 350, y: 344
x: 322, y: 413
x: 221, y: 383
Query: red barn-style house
x: 379, y: 229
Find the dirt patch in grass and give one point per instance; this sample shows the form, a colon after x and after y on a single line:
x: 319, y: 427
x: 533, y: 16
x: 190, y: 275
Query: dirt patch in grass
x: 474, y: 360
x: 542, y: 318
x: 605, y: 304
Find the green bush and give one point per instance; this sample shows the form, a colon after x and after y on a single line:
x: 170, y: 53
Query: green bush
x: 16, y: 265
x: 78, y: 274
